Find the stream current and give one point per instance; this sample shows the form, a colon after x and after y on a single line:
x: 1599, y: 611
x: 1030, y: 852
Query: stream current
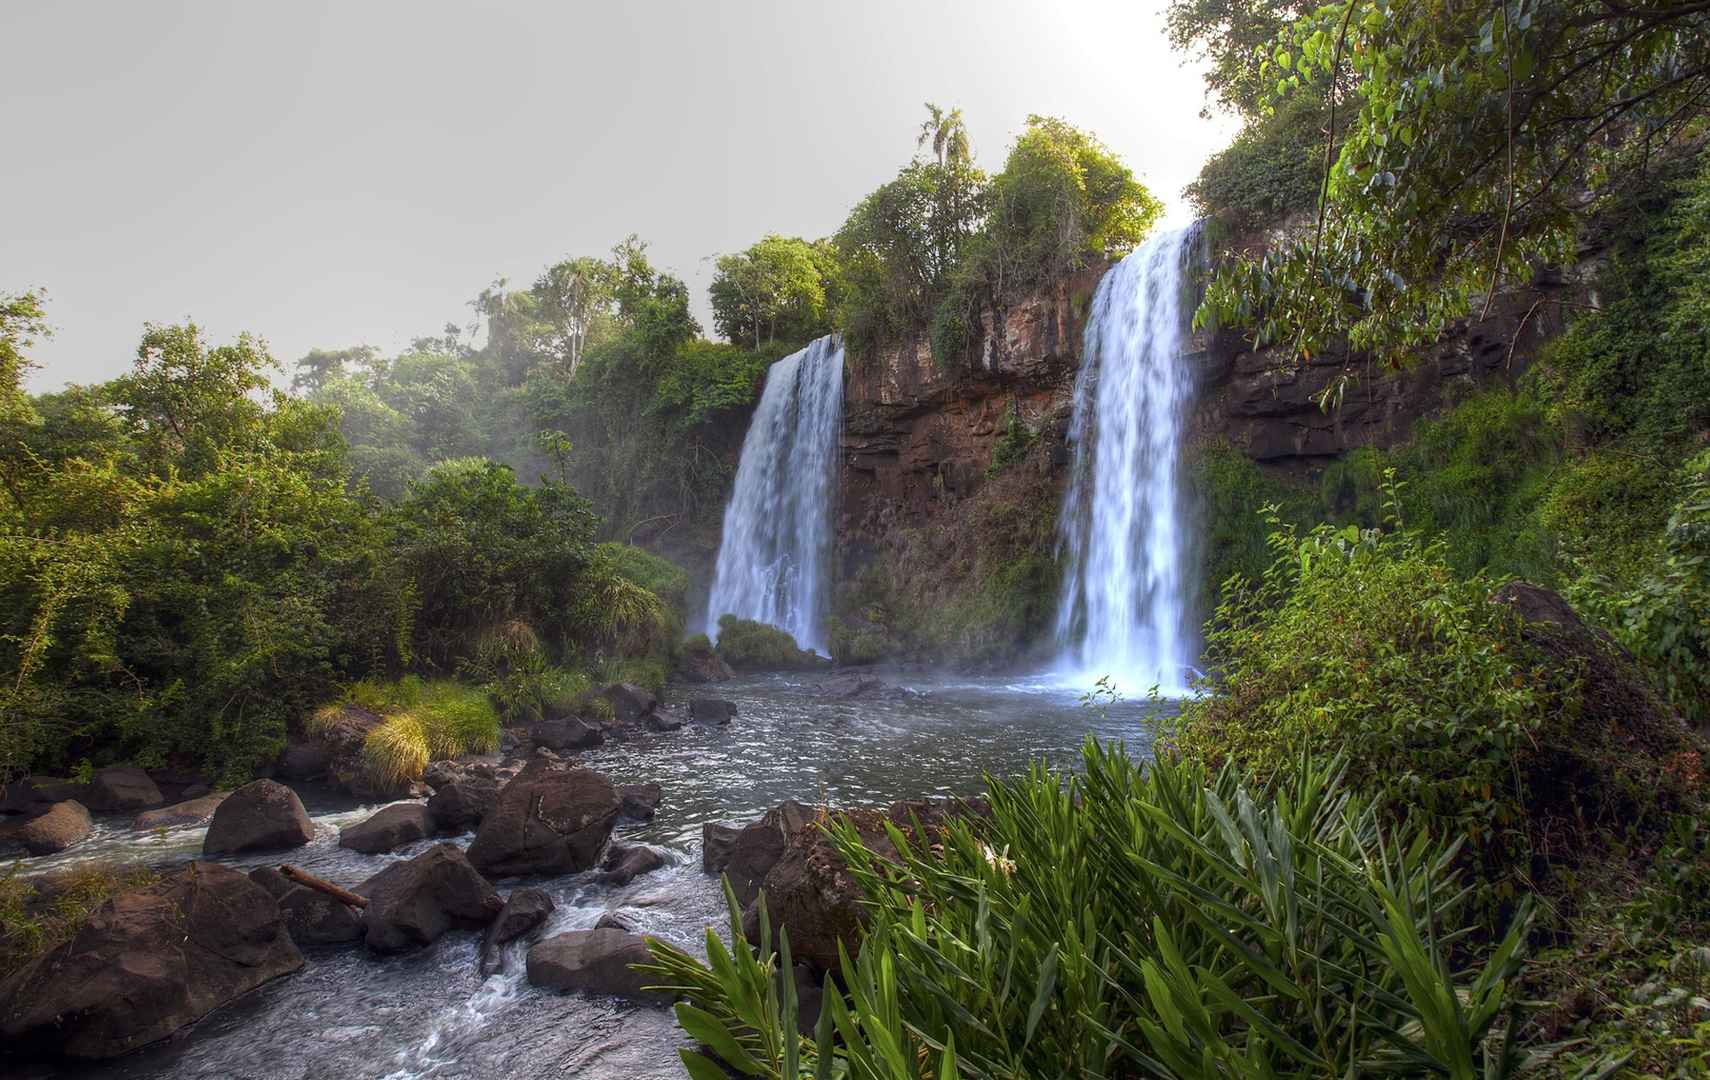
x: 350, y: 1015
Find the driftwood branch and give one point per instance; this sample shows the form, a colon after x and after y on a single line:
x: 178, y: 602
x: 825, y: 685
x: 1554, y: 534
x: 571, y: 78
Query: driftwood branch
x: 304, y: 878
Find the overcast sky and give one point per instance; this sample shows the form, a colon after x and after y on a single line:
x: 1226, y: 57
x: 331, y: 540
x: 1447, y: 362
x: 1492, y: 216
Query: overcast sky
x: 343, y: 173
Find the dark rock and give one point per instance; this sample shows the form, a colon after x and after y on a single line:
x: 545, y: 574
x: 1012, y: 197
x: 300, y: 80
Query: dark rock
x: 810, y: 996
x: 190, y: 812
x: 665, y: 721
x: 303, y: 759
x: 34, y: 794
x: 760, y: 845
x: 412, y: 903
x: 613, y: 920
x: 62, y: 826
x: 598, y: 961
x: 629, y: 701
x: 509, y: 741
x: 147, y: 963
x: 810, y: 892
x: 260, y: 816
x: 626, y: 862
x: 442, y: 772
x: 640, y: 801
x: 458, y: 805
x: 565, y: 734
x: 711, y: 711
x: 311, y: 916
x: 701, y: 664
x: 851, y: 686
x: 390, y: 828
x: 524, y: 910
x: 122, y: 790
x: 549, y: 820
x: 195, y: 791
x: 718, y: 840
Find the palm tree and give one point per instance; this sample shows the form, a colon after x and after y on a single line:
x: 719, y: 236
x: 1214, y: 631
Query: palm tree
x: 947, y: 134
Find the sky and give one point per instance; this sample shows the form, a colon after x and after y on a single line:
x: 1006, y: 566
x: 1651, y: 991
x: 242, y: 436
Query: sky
x: 332, y: 174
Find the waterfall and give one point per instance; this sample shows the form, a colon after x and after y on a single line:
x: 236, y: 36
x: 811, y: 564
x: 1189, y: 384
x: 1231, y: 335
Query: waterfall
x: 777, y: 528
x: 1123, y: 611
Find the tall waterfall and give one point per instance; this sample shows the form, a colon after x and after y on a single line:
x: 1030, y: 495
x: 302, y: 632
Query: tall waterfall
x: 777, y: 528
x: 1123, y: 611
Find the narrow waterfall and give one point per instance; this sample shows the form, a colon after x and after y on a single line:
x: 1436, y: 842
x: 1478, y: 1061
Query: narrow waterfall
x: 777, y: 528
x: 1123, y: 611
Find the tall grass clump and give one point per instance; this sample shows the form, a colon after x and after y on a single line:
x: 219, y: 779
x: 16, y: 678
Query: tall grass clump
x: 443, y: 720
x: 1160, y: 921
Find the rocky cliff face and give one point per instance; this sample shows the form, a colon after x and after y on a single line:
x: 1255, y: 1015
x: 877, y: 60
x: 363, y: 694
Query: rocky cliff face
x: 918, y: 440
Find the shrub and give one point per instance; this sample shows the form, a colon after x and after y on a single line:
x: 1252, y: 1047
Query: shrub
x: 747, y: 645
x: 1158, y: 921
x: 427, y: 722
x: 1449, y: 708
x: 1273, y: 169
x: 659, y: 576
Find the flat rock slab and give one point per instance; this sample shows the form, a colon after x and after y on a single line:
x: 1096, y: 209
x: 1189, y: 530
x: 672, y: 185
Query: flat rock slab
x: 190, y: 812
x: 595, y: 961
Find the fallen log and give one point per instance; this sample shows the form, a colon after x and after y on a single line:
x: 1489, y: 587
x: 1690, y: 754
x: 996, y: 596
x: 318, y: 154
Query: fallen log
x: 303, y: 877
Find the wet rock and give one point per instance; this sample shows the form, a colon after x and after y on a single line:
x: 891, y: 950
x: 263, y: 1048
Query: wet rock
x: 458, y: 805
x: 810, y: 996
x: 712, y: 711
x: 597, y: 961
x: 565, y: 734
x: 190, y: 812
x: 701, y: 664
x: 810, y: 892
x: 718, y: 840
x: 260, y: 816
x: 147, y: 963
x: 626, y: 862
x: 122, y: 790
x: 759, y: 846
x: 195, y: 791
x: 852, y: 686
x: 411, y: 903
x: 614, y: 920
x: 303, y: 759
x: 524, y: 910
x: 63, y: 825
x: 389, y: 829
x: 665, y: 721
x: 549, y: 820
x: 629, y: 701
x: 640, y: 801
x: 311, y: 917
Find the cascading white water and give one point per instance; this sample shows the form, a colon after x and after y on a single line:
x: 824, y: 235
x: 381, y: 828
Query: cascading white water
x: 1123, y: 611
x: 777, y: 528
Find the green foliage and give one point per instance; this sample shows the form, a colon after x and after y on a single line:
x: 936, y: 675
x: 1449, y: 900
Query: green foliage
x: 662, y: 577
x: 1233, y: 37
x: 1271, y: 170
x: 425, y: 721
x: 1664, y: 616
x: 747, y: 645
x: 1469, y: 141
x: 1232, y: 496
x: 1012, y: 446
x: 1367, y: 643
x: 781, y: 289
x: 1157, y: 921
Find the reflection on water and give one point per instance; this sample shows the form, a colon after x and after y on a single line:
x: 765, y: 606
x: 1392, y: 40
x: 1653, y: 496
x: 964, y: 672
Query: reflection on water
x: 350, y: 1016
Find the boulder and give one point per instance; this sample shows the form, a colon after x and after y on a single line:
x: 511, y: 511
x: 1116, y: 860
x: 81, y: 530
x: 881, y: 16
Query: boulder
x: 718, y: 840
x: 303, y: 759
x: 33, y: 794
x: 388, y: 829
x: 629, y: 701
x: 524, y: 910
x: 147, y: 963
x: 851, y: 686
x: 190, y: 812
x: 663, y: 721
x: 711, y: 711
x: 122, y: 790
x: 411, y: 903
x: 598, y: 961
x: 63, y: 825
x: 810, y: 892
x: 615, y: 920
x: 639, y: 801
x: 260, y: 816
x: 701, y: 664
x: 626, y: 862
x: 548, y: 820
x: 311, y: 917
x: 565, y: 734
x: 195, y: 791
x: 759, y: 846
x: 458, y: 805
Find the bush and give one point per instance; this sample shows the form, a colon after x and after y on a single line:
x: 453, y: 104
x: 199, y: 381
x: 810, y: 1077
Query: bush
x: 1232, y: 494
x: 42, y: 913
x: 1134, y: 921
x: 747, y: 645
x: 426, y: 722
x: 1274, y: 168
x: 1508, y: 736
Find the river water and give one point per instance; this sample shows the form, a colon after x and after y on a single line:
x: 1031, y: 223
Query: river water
x: 349, y: 1015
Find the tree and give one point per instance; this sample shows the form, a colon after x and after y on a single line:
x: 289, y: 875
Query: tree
x: 1472, y: 140
x: 778, y: 283
x: 1233, y: 38
x: 320, y: 366
x: 22, y: 321
x: 947, y: 134
x: 572, y: 296
x: 186, y: 402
